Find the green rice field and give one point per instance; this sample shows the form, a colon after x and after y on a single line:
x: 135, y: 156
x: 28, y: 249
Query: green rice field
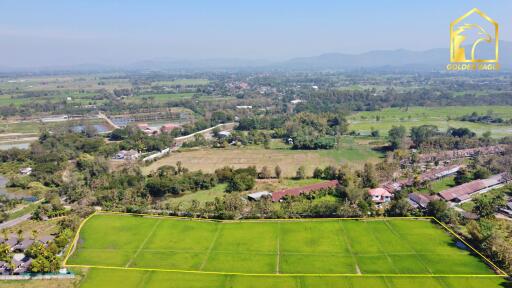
x: 156, y: 251
x: 442, y: 117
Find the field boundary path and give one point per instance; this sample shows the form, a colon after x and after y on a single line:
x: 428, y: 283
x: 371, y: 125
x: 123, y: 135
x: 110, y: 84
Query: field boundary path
x: 210, y: 248
x: 278, y: 254
x: 143, y: 243
x: 349, y: 247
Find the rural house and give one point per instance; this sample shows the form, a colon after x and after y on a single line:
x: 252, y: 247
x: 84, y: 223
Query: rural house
x: 421, y: 200
x: 277, y: 196
x: 380, y: 195
x: 463, y: 193
x: 127, y: 155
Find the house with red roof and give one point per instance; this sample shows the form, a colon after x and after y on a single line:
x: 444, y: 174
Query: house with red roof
x: 166, y: 128
x: 465, y: 191
x: 380, y: 195
x: 277, y: 196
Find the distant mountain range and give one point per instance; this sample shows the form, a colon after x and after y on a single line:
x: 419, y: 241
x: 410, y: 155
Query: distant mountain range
x: 396, y: 60
x: 434, y: 59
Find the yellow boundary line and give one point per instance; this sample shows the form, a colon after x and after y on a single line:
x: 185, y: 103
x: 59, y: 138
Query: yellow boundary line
x: 474, y: 250
x: 284, y: 275
x: 75, y: 241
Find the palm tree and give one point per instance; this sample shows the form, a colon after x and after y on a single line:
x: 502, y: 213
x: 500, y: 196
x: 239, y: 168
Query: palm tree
x: 34, y: 234
x: 4, y: 234
x: 19, y: 233
x: 12, y: 267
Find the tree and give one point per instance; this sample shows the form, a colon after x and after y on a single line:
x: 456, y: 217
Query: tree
x: 19, y: 233
x: 462, y: 176
x: 399, y: 207
x: 422, y: 133
x: 396, y: 136
x: 5, y: 252
x: 265, y: 173
x: 439, y: 209
x: 368, y: 178
x: 278, y: 172
x: 34, y: 234
x: 330, y: 173
x: 481, y: 173
x: 301, y: 173
x: 487, y: 205
x: 318, y: 173
x: 240, y: 182
x: 266, y: 142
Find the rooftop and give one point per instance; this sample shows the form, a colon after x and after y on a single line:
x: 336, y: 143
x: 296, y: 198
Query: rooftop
x: 276, y: 196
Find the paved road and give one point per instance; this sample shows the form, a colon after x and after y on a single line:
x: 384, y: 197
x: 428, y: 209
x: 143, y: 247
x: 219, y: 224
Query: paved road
x: 16, y: 221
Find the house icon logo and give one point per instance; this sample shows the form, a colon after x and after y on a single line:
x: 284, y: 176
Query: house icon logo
x: 474, y: 39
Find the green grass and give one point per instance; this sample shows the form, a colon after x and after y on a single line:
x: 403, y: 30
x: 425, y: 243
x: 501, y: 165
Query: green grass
x: 112, y: 278
x: 392, y: 246
x: 440, y: 185
x: 25, y: 210
x: 467, y: 206
x: 161, y: 98
x: 292, y: 183
x: 201, y: 195
x: 351, y: 149
x: 20, y: 127
x: 415, y: 116
x: 434, y: 112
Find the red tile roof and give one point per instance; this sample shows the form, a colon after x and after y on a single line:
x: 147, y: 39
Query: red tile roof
x: 379, y: 192
x: 465, y: 189
x: 276, y: 196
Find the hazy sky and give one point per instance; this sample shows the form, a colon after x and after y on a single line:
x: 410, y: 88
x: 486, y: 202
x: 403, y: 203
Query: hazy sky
x: 67, y: 32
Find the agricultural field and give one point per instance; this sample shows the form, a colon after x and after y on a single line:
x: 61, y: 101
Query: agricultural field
x: 443, y: 117
x: 160, y: 98
x: 350, y: 151
x: 115, y: 278
x: 349, y: 253
x: 63, y: 83
x: 182, y: 82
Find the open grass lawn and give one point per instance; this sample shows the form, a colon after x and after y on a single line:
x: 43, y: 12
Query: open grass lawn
x: 201, y: 195
x: 374, y: 248
x: 415, y: 116
x: 440, y: 185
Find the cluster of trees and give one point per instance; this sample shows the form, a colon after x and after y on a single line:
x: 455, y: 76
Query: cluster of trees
x: 492, y: 236
x: 315, y: 131
x: 45, y: 257
x: 428, y: 137
x: 133, y: 138
x: 334, y: 100
x: 476, y: 118
x: 237, y: 180
x: 261, y: 122
x: 50, y: 208
x: 176, y: 180
x: 306, y: 130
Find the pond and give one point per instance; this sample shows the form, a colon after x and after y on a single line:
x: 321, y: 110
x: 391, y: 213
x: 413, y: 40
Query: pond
x: 20, y: 145
x: 4, y: 191
x: 99, y: 127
